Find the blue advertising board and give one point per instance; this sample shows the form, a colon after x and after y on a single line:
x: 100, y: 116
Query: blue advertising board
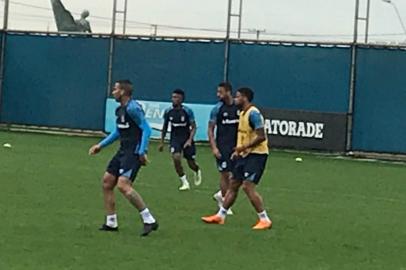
x: 154, y: 112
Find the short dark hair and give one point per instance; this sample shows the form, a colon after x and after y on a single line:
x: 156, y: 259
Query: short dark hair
x: 126, y: 85
x: 227, y: 86
x: 179, y: 92
x: 247, y: 92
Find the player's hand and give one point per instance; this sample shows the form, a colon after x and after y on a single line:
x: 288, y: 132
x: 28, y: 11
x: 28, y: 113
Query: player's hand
x: 161, y: 147
x: 240, y: 149
x: 188, y: 143
x: 235, y: 155
x: 216, y: 153
x: 94, y: 149
x: 143, y: 160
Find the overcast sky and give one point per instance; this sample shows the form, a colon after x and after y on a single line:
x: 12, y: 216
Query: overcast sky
x: 282, y: 19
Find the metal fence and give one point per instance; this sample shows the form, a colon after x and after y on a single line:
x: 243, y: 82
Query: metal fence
x: 62, y: 79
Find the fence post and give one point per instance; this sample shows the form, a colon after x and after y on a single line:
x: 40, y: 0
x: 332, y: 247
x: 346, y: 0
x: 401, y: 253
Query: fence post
x: 351, y: 99
x: 3, y: 49
x: 353, y: 78
x: 111, y: 50
x: 110, y: 65
x: 227, y: 42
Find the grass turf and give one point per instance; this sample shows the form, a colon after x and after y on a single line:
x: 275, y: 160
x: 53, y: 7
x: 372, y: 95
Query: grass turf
x: 327, y: 213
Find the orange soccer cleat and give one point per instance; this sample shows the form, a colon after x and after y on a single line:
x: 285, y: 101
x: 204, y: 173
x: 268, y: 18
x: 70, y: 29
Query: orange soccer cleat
x: 263, y: 225
x: 215, y: 219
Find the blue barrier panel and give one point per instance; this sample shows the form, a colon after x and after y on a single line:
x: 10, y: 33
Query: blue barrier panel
x: 293, y: 77
x: 380, y: 101
x: 154, y: 112
x: 55, y: 81
x: 158, y: 67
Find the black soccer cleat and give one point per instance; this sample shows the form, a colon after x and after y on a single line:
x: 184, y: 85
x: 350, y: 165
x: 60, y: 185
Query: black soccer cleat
x: 106, y: 228
x: 148, y: 228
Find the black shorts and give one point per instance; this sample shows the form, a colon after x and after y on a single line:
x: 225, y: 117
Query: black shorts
x: 225, y: 164
x: 250, y: 168
x: 124, y: 164
x: 189, y: 153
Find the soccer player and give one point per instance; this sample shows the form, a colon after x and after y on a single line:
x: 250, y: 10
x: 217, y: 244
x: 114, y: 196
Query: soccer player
x: 183, y: 129
x: 222, y: 133
x: 250, y: 154
x: 134, y: 132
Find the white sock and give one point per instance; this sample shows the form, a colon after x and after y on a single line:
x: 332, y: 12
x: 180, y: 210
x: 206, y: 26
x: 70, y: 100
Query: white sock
x: 184, y: 181
x: 219, y: 198
x: 222, y: 212
x: 264, y: 216
x: 111, y: 221
x: 147, y: 216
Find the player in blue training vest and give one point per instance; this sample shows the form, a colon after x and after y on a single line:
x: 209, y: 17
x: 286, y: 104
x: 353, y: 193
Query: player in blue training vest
x: 134, y: 132
x: 182, y: 125
x: 222, y: 133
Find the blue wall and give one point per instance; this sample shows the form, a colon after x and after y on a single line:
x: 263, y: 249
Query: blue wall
x: 380, y: 101
x: 292, y: 77
x: 158, y: 67
x: 62, y: 81
x: 55, y: 81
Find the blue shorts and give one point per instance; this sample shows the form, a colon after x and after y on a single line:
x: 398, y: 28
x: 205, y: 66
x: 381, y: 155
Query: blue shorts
x: 250, y: 168
x: 189, y: 153
x: 124, y: 164
x: 225, y: 164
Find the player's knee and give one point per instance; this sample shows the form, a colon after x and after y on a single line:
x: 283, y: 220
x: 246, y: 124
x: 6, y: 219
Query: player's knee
x: 108, y: 183
x: 176, y: 156
x: 234, y: 186
x: 106, y: 186
x: 231, y: 192
x: 124, y: 186
x: 247, y: 187
x: 178, y: 164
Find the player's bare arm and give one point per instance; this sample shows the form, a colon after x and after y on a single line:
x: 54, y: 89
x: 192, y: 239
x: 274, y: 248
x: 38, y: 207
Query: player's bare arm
x: 261, y: 137
x: 212, y: 140
x: 192, y: 135
x: 163, y: 135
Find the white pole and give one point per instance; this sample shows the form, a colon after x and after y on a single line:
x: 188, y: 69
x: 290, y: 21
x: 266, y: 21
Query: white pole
x: 227, y: 41
x: 239, y: 20
x: 5, y: 16
x: 367, y: 21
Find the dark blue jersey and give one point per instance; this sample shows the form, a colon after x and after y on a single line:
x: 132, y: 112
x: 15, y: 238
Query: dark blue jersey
x: 132, y: 128
x: 180, y: 121
x: 226, y: 118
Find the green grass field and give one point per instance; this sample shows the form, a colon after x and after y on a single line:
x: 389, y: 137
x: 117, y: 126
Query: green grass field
x: 328, y: 213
